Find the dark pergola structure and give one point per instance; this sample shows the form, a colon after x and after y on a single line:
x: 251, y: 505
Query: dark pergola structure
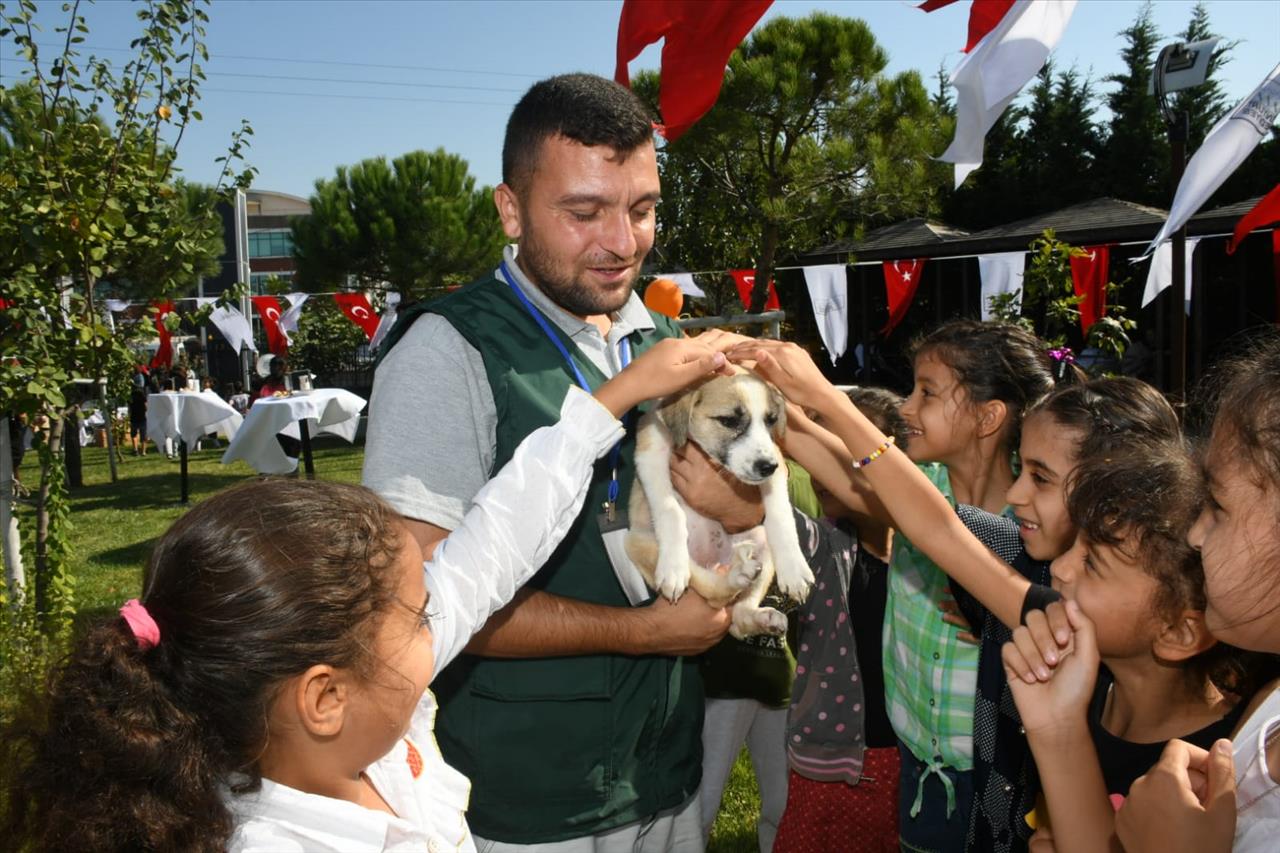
x: 1231, y: 294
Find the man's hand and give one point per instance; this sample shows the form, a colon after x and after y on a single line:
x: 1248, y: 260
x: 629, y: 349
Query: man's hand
x: 690, y: 626
x: 713, y: 492
x: 1187, y: 802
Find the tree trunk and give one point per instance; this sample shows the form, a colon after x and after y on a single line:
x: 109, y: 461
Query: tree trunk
x: 10, y: 540
x: 42, y: 514
x: 764, y: 268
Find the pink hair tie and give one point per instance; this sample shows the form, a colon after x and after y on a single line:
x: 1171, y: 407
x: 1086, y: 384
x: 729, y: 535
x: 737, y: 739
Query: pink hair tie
x: 144, y: 628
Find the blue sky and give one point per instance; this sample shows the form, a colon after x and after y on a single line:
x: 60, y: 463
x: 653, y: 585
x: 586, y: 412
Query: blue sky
x: 330, y: 83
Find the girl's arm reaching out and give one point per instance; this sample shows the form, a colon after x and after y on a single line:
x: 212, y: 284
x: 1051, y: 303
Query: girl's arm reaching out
x: 919, y: 510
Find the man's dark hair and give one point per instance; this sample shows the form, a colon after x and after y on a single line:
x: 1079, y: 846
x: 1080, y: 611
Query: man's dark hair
x: 583, y: 107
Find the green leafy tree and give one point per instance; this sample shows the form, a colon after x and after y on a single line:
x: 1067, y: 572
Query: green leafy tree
x: 808, y: 140
x: 414, y: 225
x: 1058, y: 147
x: 326, y: 340
x: 87, y: 192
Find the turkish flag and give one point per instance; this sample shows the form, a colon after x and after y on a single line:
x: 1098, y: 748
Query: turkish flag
x: 164, y: 352
x: 1089, y: 274
x: 746, y: 280
x: 983, y: 16
x: 358, y: 310
x: 269, y: 310
x: 698, y: 38
x: 900, y: 281
x: 1266, y: 211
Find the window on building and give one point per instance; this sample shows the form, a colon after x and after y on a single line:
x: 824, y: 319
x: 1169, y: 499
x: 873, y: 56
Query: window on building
x: 270, y: 244
x: 258, y: 280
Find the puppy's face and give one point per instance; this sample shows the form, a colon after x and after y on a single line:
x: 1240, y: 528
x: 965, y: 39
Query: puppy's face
x: 735, y: 420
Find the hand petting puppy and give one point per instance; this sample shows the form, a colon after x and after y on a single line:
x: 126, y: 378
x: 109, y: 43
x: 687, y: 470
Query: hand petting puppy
x: 668, y: 366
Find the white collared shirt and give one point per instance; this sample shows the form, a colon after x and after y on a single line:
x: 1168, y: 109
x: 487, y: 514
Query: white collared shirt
x: 515, y: 522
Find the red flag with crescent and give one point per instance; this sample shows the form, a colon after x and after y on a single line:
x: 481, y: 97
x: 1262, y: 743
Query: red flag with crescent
x: 358, y: 310
x: 1266, y: 211
x: 1089, y: 274
x: 746, y: 281
x: 164, y: 352
x: 269, y: 310
x: 901, y: 278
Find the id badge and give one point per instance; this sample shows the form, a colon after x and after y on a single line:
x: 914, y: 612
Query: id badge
x: 613, y: 530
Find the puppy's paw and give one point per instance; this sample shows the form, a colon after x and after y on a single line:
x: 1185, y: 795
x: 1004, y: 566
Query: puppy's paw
x: 672, y: 576
x: 795, y: 578
x: 753, y: 621
x: 745, y: 568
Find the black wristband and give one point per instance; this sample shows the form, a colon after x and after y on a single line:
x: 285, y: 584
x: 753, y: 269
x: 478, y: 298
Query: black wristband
x: 1038, y: 598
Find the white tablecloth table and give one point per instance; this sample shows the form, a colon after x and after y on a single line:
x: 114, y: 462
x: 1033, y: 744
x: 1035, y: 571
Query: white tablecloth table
x: 331, y: 410
x: 188, y: 415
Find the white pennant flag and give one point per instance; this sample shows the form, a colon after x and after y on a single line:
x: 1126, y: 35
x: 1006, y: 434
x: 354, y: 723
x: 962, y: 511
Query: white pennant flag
x: 829, y: 292
x: 231, y: 324
x: 991, y: 76
x: 1224, y: 149
x: 116, y: 305
x: 1160, y: 275
x: 386, y: 321
x: 1001, y: 273
x: 289, y: 319
x: 685, y: 282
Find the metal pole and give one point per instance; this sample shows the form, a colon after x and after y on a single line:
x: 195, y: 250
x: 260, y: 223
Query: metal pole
x: 1178, y: 149
x: 308, y: 464
x: 182, y: 456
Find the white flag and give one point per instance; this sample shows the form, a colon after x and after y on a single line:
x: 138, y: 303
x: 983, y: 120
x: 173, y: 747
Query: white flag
x: 1160, y: 275
x: 1001, y: 273
x: 991, y: 76
x: 829, y: 292
x: 685, y: 282
x: 1224, y: 149
x: 386, y: 321
x: 116, y: 305
x: 231, y: 324
x: 289, y: 319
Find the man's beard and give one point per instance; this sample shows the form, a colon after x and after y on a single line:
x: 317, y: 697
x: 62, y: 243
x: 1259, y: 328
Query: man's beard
x: 563, y: 286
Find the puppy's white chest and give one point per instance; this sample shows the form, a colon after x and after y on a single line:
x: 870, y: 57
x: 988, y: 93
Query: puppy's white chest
x: 711, y: 545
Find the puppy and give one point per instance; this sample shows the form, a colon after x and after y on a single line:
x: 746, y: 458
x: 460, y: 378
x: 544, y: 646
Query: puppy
x: 735, y: 420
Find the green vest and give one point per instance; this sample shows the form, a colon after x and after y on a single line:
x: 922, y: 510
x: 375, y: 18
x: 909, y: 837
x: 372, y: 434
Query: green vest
x: 559, y: 748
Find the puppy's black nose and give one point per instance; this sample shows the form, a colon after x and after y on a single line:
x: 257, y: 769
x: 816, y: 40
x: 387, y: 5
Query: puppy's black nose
x: 765, y: 467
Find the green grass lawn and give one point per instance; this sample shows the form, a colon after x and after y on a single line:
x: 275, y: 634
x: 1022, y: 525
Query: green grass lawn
x: 116, y: 524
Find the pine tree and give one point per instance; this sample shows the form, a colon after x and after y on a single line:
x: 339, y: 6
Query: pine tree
x: 1134, y: 165
x: 1206, y: 103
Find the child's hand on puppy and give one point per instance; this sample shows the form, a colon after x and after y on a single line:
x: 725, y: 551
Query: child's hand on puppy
x: 668, y: 366
x: 791, y: 369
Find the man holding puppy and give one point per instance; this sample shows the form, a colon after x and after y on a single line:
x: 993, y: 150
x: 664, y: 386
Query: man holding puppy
x: 575, y: 716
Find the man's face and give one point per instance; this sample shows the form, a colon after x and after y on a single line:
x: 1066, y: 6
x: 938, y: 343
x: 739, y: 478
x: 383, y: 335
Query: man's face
x: 584, y: 222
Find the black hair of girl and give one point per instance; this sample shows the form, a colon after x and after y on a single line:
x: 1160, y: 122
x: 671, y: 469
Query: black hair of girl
x: 1109, y: 414
x: 1247, y: 408
x: 1143, y: 499
x: 993, y: 361
x: 883, y: 408
x: 134, y: 749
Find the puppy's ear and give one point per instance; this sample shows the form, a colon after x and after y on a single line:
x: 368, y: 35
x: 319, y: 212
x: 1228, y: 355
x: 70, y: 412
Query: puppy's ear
x: 676, y: 416
x: 778, y: 408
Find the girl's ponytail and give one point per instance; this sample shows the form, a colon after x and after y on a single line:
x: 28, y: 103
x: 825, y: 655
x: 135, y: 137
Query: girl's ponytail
x: 108, y: 761
x: 147, y: 729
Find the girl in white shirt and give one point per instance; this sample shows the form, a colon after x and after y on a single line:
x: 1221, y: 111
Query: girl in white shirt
x: 1228, y: 798
x: 269, y: 690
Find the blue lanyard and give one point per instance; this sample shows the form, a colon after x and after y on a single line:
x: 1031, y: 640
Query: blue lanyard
x: 624, y: 357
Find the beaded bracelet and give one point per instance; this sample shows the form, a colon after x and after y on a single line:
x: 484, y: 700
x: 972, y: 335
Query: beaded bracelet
x: 875, y: 454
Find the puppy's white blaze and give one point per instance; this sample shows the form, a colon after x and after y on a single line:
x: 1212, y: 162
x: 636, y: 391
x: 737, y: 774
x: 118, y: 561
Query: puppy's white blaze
x: 757, y: 442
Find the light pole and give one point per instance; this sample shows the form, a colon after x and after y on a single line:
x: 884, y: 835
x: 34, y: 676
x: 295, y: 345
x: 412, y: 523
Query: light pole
x: 1179, y: 66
